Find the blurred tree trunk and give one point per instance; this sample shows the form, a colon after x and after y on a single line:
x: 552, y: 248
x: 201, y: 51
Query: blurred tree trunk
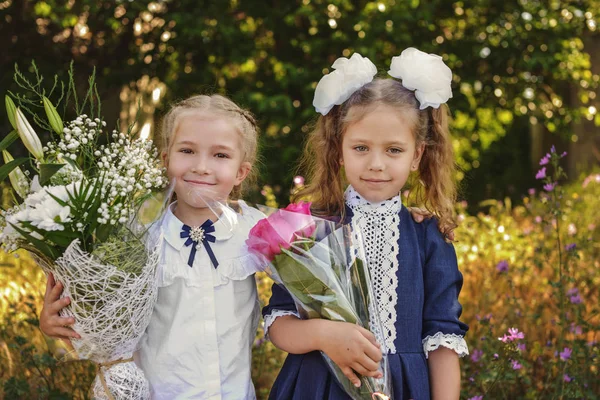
x: 585, y: 151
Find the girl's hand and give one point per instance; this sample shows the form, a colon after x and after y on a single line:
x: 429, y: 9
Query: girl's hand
x: 352, y: 348
x: 51, y: 323
x: 420, y: 214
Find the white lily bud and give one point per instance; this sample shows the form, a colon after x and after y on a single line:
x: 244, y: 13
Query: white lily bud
x: 17, y: 178
x: 28, y: 136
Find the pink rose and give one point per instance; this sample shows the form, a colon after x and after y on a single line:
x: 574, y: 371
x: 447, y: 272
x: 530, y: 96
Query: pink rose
x: 264, y: 240
x: 302, y: 223
x: 280, y: 230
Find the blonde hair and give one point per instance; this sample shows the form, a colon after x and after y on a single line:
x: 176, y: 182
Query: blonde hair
x: 435, y: 188
x: 222, y: 107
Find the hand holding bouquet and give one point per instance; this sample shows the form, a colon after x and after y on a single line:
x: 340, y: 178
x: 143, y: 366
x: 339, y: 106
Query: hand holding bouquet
x: 76, y: 206
x: 320, y: 263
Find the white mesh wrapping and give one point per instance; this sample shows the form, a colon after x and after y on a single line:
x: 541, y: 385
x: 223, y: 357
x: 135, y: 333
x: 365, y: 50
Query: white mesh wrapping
x: 112, y: 309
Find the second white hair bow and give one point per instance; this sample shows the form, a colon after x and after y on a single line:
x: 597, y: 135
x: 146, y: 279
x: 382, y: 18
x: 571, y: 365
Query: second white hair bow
x: 348, y: 76
x: 424, y: 73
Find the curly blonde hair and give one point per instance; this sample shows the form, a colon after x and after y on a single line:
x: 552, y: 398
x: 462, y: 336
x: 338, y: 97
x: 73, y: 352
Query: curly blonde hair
x: 434, y: 184
x: 223, y: 107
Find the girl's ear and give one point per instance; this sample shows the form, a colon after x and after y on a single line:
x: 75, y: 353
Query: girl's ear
x: 243, y: 172
x: 165, y: 159
x: 418, y: 155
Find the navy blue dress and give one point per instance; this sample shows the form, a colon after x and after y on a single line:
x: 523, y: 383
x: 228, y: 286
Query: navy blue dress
x: 429, y: 283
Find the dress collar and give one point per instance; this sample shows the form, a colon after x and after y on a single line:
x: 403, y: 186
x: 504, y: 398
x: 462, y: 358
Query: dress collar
x: 224, y: 226
x: 359, y: 204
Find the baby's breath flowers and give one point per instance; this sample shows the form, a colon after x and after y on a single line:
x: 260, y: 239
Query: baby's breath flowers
x: 130, y: 168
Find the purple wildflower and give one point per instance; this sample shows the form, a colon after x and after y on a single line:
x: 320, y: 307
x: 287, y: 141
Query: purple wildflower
x: 576, y: 299
x: 552, y: 149
x: 502, y: 266
x: 570, y: 246
x: 531, y: 191
x: 496, y: 356
x: 515, y: 334
x: 475, y: 398
x: 541, y: 174
x: 538, y: 219
x: 545, y: 160
x: 565, y: 354
x: 521, y: 347
x: 548, y: 187
x: 516, y: 365
x: 567, y: 378
x: 563, y: 154
x: 476, y: 355
x: 576, y: 329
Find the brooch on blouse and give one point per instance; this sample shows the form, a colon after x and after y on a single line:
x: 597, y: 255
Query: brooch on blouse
x: 200, y: 234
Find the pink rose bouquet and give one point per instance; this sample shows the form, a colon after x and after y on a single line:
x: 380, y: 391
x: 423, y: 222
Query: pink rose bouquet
x: 320, y: 264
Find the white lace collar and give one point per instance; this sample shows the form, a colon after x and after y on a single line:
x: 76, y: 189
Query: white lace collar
x: 378, y: 223
x: 359, y: 204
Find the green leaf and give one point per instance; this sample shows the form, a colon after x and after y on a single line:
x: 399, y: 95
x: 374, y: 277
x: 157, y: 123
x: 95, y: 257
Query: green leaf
x: 316, y: 288
x: 102, y: 232
x: 360, y: 290
x: 58, y: 199
x: 40, y: 245
x: 47, y: 171
x: 8, y: 140
x: 60, y: 238
x: 10, y: 166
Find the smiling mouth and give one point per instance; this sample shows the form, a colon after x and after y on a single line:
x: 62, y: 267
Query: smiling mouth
x: 376, y: 180
x: 199, y: 182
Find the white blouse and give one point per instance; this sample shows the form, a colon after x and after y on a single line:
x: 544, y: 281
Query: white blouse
x: 198, y: 344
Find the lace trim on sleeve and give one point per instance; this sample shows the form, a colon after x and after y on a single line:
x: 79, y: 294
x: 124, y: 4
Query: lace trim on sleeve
x: 269, y: 319
x: 450, y: 341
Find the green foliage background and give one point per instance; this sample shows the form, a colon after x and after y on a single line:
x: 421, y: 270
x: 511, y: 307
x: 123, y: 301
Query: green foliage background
x: 515, y: 63
x: 525, y: 76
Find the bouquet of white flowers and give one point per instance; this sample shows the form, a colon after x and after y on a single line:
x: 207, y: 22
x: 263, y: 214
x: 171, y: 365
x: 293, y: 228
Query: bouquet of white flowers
x: 76, y: 209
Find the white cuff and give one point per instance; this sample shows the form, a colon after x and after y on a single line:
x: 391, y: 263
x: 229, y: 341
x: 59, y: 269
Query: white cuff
x: 450, y: 341
x: 269, y: 319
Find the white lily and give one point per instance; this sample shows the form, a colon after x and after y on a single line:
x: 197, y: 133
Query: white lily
x: 17, y: 178
x: 28, y: 136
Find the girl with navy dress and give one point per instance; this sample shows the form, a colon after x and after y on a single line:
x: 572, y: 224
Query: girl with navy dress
x: 373, y: 136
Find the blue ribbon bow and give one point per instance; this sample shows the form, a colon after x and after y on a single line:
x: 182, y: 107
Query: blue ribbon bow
x: 199, y: 234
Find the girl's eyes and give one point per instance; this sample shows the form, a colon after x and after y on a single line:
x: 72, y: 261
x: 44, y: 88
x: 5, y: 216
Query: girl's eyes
x: 392, y: 150
x: 190, y: 151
